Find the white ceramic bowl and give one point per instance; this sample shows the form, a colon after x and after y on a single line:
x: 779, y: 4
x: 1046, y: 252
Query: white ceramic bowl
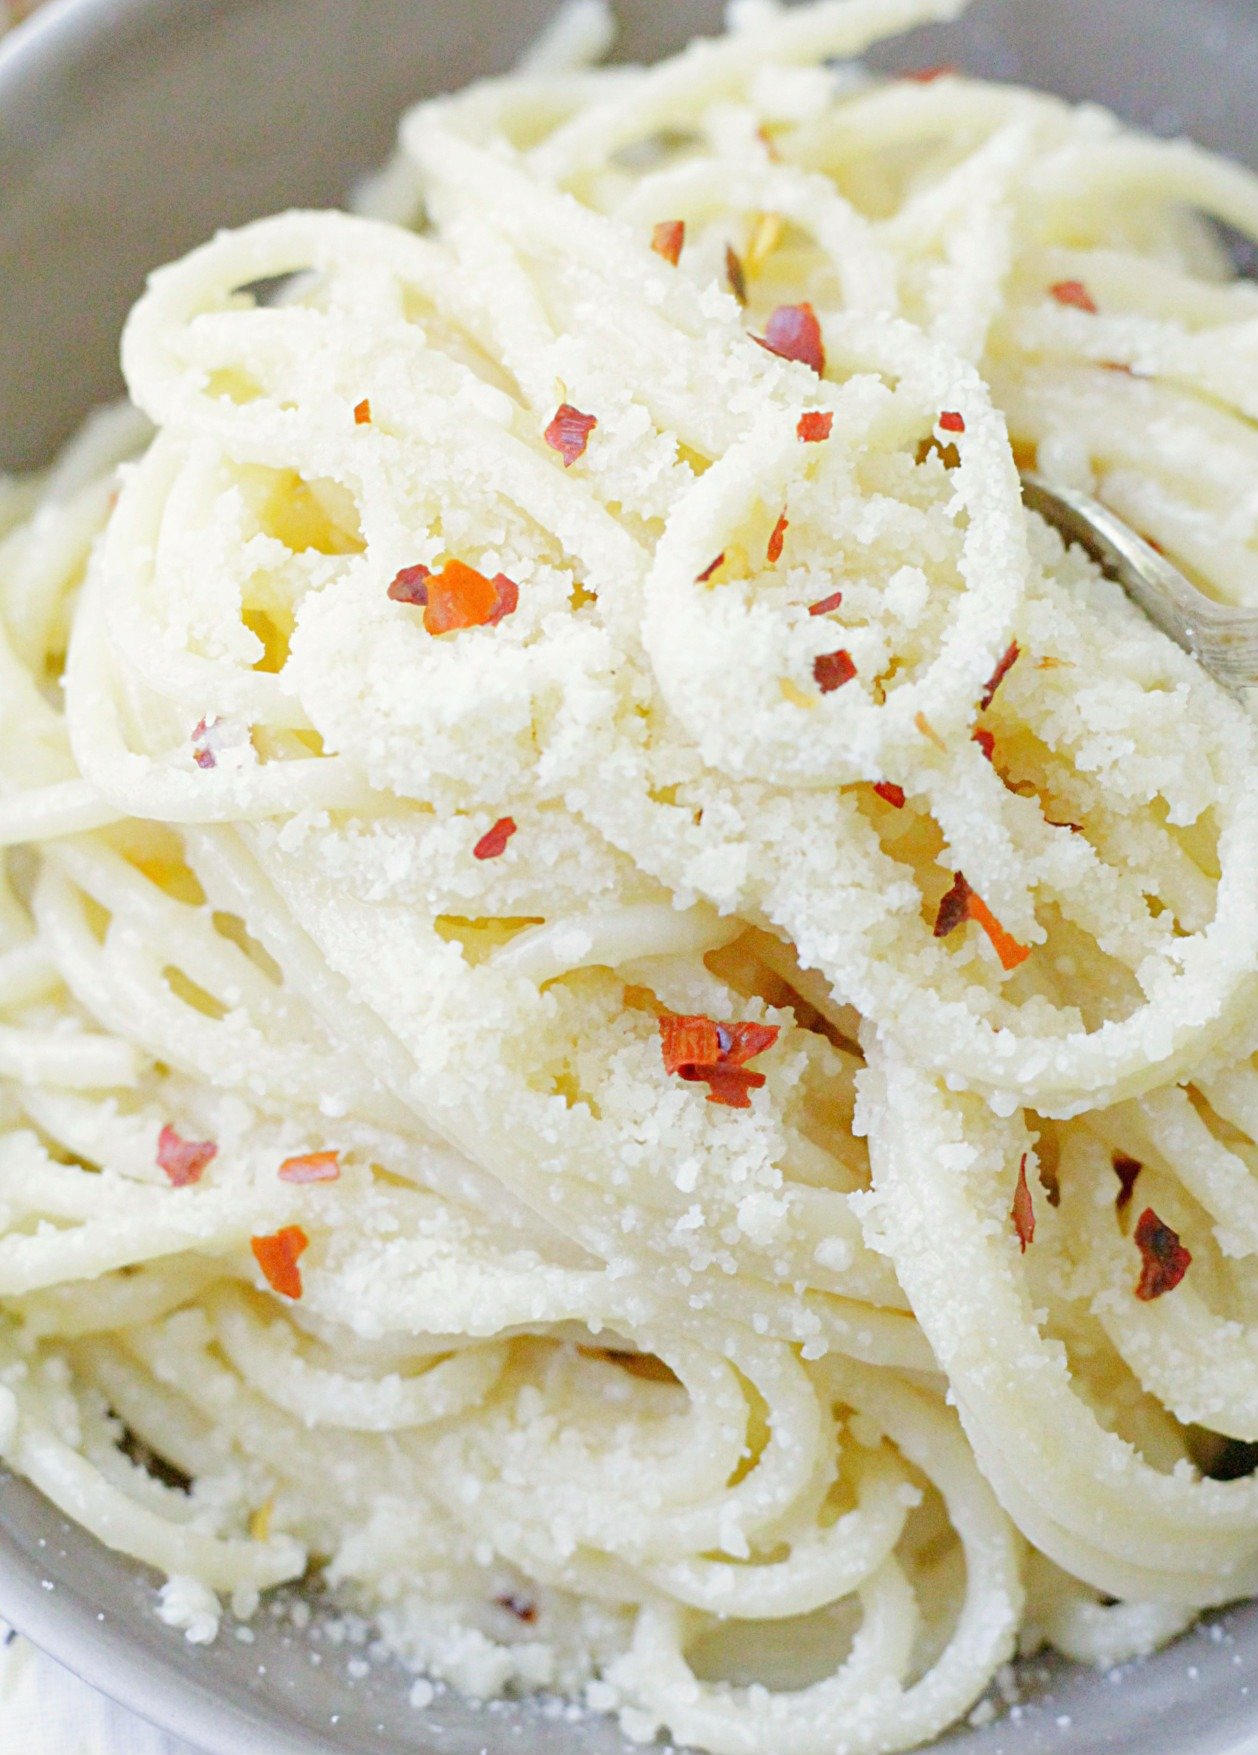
x: 129, y: 130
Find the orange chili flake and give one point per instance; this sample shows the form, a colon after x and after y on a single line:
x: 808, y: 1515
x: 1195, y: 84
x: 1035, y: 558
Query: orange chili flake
x: 460, y: 597
x: 202, y: 744
x: 950, y: 422
x: 493, y: 843
x: 927, y: 730
x: 985, y: 741
x: 1127, y: 1170
x: 278, y: 1255
x: 703, y: 1051
x: 1023, y: 1211
x: 184, y: 1161
x: 793, y: 333
x: 362, y: 413
x: 778, y: 540
x: 890, y: 793
x: 703, y: 577
x: 815, y: 426
x: 1074, y: 293
x: 313, y: 1167
x: 961, y: 904
x: 827, y: 604
x: 688, y: 1041
x: 569, y: 433
x: 832, y: 670
x: 735, y: 274
x: 668, y: 239
x: 999, y: 674
x: 1163, y: 1259
x: 928, y: 75
x: 410, y: 585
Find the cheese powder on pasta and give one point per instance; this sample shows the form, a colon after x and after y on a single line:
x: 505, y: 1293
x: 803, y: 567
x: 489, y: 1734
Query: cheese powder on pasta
x: 628, y: 995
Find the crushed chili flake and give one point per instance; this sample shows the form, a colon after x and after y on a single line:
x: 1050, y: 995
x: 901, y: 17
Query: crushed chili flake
x: 569, y: 433
x: 460, y: 597
x: 312, y: 1167
x: 703, y: 577
x: 362, y: 413
x: 1163, y: 1259
x: 520, y: 1607
x: 184, y: 1161
x: 999, y: 674
x: 411, y: 586
x: 815, y: 426
x: 985, y: 741
x: 1075, y: 294
x: 1075, y: 828
x: 202, y: 752
x: 735, y: 274
x: 793, y: 333
x: 832, y: 670
x: 493, y: 843
x: 890, y: 793
x: 951, y: 422
x: 928, y: 75
x: 688, y: 1041
x: 277, y: 1255
x: 1127, y: 1170
x: 703, y: 1051
x: 1023, y: 1210
x: 669, y: 239
x: 778, y: 539
x: 827, y: 604
x: 960, y: 904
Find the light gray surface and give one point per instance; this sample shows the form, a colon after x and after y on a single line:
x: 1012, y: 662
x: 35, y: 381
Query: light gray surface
x: 129, y: 129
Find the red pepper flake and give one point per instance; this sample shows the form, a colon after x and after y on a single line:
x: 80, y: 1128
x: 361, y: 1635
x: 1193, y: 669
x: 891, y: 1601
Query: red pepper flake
x: 702, y: 1051
x: 362, y: 413
x: 961, y: 904
x: 928, y: 75
x: 520, y: 1607
x: 793, y: 333
x: 735, y: 274
x: 951, y: 422
x: 827, y: 604
x: 1023, y: 1212
x: 278, y: 1255
x: 668, y: 239
x: 985, y: 741
x: 1127, y: 1170
x: 890, y: 793
x: 184, y: 1161
x: 778, y: 539
x: 493, y: 843
x: 313, y: 1167
x: 703, y: 577
x: 569, y: 433
x: 1075, y: 828
x: 460, y: 597
x: 815, y: 427
x: 202, y: 752
x: 832, y: 670
x: 999, y: 674
x: 1075, y: 294
x: 688, y: 1041
x: 1164, y: 1260
x: 410, y: 585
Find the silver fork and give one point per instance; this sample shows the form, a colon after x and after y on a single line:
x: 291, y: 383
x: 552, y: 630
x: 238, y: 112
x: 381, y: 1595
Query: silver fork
x: 1224, y: 641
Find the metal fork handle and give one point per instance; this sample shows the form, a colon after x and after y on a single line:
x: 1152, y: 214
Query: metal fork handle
x: 1223, y: 640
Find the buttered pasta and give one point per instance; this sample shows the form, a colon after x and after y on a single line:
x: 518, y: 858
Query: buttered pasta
x: 628, y: 995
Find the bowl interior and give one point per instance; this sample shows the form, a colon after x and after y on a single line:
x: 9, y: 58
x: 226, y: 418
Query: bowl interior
x: 130, y: 130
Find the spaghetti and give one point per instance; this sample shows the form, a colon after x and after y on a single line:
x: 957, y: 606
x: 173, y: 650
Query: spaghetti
x: 626, y: 992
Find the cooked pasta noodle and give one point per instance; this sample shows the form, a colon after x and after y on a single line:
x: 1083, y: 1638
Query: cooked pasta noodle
x: 627, y: 994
